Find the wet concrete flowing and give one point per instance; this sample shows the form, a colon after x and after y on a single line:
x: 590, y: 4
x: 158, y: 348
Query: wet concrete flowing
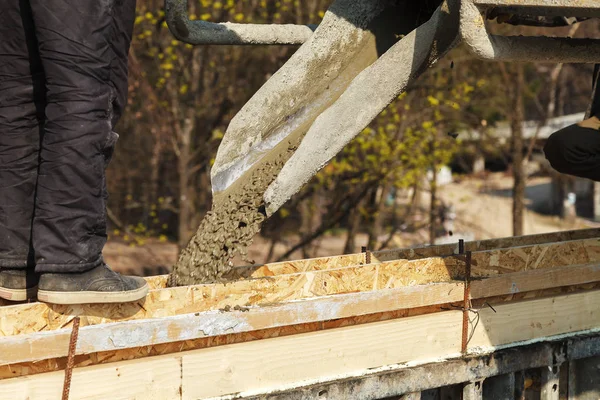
x: 228, y: 229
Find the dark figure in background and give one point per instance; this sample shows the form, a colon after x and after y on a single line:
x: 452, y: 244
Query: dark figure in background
x: 575, y: 150
x: 63, y: 86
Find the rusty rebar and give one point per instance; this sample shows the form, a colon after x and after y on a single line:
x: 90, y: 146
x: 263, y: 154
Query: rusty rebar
x: 467, y: 303
x: 71, y: 359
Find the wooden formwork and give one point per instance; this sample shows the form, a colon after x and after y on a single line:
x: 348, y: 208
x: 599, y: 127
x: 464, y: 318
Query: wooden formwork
x: 284, y: 325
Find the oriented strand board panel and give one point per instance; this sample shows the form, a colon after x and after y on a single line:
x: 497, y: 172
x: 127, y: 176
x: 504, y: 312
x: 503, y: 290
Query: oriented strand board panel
x: 37, y: 317
x: 534, y: 319
x: 547, y: 255
x: 296, y: 266
x: 256, y: 365
x: 336, y: 262
x: 483, y: 245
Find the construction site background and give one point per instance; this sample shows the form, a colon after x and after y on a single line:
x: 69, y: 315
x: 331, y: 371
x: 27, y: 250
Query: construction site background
x: 377, y: 193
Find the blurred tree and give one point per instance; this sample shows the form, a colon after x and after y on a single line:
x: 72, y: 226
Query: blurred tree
x: 183, y: 97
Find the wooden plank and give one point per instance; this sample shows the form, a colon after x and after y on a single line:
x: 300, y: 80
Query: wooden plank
x: 537, y: 279
x: 271, y: 362
x: 36, y: 317
x: 157, y: 378
x: 534, y: 319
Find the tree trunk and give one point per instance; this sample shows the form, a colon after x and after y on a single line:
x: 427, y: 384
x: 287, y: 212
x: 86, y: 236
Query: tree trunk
x: 375, y: 227
x: 517, y: 150
x: 432, y: 207
x: 305, y: 225
x: 185, y: 201
x: 353, y: 225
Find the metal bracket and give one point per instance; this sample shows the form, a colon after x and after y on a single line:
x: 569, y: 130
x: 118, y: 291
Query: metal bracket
x: 484, y: 45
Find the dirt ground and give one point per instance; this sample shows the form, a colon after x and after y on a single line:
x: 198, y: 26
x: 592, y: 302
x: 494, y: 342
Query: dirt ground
x: 483, y: 210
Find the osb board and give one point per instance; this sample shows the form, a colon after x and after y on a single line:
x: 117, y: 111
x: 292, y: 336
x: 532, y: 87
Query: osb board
x: 252, y: 365
x: 336, y: 262
x: 37, y: 317
x: 489, y: 244
x: 280, y: 268
x: 547, y: 255
x: 486, y: 262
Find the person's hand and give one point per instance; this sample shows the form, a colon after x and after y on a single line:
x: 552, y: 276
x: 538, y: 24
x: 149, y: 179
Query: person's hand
x: 591, y: 123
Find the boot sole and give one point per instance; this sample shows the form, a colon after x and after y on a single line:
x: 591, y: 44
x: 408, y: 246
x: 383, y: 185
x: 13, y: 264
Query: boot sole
x: 83, y: 297
x: 17, y: 294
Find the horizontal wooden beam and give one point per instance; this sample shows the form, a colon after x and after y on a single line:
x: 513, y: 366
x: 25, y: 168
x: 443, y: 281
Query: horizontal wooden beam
x: 397, y: 380
x: 254, y: 365
x: 286, y: 362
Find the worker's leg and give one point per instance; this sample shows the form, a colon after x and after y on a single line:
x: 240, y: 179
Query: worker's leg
x: 595, y: 105
x: 21, y: 86
x: 83, y: 46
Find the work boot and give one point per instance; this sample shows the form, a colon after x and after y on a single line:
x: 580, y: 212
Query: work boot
x: 98, y: 285
x: 17, y: 284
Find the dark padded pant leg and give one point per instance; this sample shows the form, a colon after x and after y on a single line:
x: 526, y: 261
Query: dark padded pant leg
x: 83, y: 46
x: 595, y: 106
x: 21, y: 115
x: 575, y: 151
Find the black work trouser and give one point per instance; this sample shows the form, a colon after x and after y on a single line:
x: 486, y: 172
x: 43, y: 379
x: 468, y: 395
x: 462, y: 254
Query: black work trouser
x: 575, y: 150
x: 63, y: 86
